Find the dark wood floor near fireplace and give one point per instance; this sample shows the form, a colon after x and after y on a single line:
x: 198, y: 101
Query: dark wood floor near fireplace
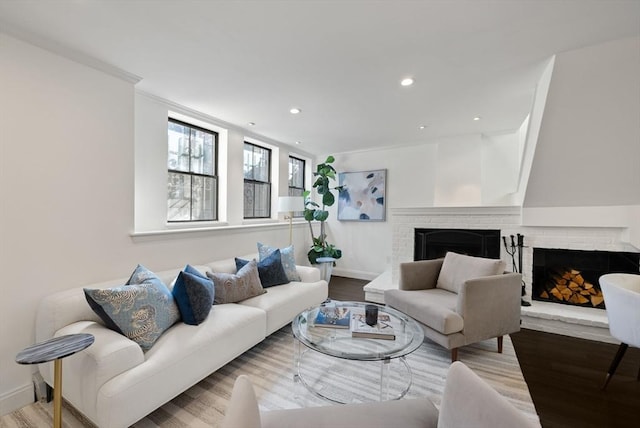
x: 564, y: 374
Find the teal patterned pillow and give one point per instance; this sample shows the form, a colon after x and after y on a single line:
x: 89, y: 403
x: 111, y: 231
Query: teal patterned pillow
x: 140, y: 311
x: 287, y: 256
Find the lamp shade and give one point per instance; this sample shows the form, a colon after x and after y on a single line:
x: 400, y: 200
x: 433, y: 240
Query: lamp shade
x: 290, y: 203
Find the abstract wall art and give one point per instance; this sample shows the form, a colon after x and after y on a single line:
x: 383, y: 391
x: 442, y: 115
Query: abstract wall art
x: 363, y: 195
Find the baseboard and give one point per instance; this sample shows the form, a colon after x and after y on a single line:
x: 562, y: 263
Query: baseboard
x: 16, y: 399
x: 356, y: 274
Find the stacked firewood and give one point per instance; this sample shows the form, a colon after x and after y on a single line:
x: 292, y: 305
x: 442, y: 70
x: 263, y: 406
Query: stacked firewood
x: 569, y: 286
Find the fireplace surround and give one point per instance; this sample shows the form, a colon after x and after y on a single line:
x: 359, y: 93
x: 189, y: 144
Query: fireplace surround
x: 583, y: 322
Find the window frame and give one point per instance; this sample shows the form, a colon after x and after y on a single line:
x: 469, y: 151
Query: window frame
x: 253, y: 181
x: 191, y: 174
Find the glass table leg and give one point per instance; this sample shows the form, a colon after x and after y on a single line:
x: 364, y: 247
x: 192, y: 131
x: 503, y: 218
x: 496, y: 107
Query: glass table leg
x: 384, y: 379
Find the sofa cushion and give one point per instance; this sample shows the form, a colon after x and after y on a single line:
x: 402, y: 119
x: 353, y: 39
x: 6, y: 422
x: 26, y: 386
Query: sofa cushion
x: 142, y: 312
x: 230, y: 288
x: 194, y: 294
x: 433, y: 307
x: 270, y: 269
x: 458, y: 268
x: 287, y: 255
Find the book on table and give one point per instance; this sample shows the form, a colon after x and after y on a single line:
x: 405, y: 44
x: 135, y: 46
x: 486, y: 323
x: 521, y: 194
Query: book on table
x: 332, y: 317
x: 381, y: 330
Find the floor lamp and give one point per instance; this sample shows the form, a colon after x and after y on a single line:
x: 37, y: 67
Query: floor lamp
x: 289, y: 205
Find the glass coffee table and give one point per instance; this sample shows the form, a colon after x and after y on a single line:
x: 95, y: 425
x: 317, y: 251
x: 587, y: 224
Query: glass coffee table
x: 334, y: 365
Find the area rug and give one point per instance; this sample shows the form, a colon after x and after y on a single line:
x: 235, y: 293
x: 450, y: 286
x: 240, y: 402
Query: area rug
x: 269, y: 365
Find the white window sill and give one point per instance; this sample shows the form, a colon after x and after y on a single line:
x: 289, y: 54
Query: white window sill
x: 185, y: 231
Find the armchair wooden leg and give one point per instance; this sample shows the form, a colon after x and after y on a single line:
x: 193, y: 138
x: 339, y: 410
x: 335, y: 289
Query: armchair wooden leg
x: 454, y: 355
x: 614, y: 364
x: 500, y: 338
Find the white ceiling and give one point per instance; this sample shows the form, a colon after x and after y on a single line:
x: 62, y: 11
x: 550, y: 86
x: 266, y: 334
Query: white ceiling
x: 339, y: 61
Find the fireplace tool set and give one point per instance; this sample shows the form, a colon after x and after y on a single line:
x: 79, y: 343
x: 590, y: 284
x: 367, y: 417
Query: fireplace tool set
x: 515, y: 249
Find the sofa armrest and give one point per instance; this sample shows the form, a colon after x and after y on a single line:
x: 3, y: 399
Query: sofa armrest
x: 487, y: 409
x: 60, y: 309
x: 420, y: 275
x: 490, y: 306
x: 308, y: 273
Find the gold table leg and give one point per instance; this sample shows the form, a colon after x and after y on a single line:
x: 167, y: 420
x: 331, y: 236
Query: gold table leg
x: 57, y: 393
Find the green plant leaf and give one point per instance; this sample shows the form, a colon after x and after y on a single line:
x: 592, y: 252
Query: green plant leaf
x: 330, y: 159
x: 320, y: 215
x: 328, y: 199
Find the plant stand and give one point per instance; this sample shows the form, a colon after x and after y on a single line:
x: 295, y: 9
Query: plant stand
x: 325, y: 264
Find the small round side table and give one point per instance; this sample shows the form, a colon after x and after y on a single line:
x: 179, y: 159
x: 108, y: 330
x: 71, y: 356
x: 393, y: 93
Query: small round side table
x: 55, y: 350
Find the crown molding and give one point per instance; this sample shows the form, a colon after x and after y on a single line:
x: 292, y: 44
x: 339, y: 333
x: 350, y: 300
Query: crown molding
x: 67, y: 52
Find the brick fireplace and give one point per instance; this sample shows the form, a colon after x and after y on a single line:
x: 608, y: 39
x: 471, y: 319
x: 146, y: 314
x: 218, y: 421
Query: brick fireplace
x: 573, y: 321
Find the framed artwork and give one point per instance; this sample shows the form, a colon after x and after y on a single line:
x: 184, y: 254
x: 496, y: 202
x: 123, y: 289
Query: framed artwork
x: 363, y: 195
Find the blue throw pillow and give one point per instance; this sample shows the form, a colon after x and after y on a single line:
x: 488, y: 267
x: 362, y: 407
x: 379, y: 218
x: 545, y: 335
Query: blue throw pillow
x: 287, y: 257
x: 141, y: 312
x: 194, y: 294
x: 142, y: 309
x: 270, y: 270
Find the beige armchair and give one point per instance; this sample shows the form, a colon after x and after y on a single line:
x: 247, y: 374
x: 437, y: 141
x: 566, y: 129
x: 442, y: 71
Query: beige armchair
x: 459, y: 300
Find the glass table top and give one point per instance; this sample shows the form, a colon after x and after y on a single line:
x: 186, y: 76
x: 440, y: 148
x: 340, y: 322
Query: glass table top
x: 338, y: 342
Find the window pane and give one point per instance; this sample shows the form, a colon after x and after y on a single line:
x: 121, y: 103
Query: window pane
x: 248, y: 162
x: 201, y: 152
x: 256, y: 163
x: 261, y: 200
x: 296, y: 172
x: 208, y: 161
x: 178, y: 136
x: 203, y: 198
x: 248, y: 200
x: 179, y: 197
x: 261, y: 164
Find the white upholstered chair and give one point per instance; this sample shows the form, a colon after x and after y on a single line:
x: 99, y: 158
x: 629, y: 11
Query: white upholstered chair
x: 467, y: 401
x: 622, y: 298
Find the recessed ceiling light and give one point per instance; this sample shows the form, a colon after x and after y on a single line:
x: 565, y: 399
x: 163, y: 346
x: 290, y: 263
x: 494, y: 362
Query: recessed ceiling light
x: 252, y: 124
x: 422, y: 126
x: 295, y: 110
x: 298, y: 142
x: 477, y: 118
x: 408, y: 81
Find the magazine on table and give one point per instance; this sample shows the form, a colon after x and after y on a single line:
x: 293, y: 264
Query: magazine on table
x: 381, y: 330
x: 332, y: 317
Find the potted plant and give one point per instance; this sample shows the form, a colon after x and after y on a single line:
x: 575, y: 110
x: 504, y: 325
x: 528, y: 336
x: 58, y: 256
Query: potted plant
x: 325, y: 174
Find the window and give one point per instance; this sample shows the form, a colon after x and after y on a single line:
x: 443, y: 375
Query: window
x: 296, y: 180
x: 192, y: 191
x: 257, y: 184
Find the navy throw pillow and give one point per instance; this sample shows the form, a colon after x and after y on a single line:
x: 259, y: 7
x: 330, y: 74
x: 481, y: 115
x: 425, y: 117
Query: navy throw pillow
x: 194, y: 294
x: 270, y: 269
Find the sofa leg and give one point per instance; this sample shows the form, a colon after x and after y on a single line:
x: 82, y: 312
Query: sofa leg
x: 500, y: 338
x: 454, y: 355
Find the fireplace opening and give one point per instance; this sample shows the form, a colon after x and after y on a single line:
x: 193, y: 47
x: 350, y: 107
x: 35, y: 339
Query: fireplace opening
x: 571, y: 276
x: 434, y: 243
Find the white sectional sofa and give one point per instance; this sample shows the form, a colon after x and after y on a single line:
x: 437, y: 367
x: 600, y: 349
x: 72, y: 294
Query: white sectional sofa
x: 114, y: 383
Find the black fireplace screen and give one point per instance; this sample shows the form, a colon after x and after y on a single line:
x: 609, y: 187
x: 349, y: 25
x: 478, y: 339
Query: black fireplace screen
x: 434, y: 243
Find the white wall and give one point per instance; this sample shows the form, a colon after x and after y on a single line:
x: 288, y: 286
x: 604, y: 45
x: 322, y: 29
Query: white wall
x: 588, y: 150
x: 468, y: 170
x: 69, y: 173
